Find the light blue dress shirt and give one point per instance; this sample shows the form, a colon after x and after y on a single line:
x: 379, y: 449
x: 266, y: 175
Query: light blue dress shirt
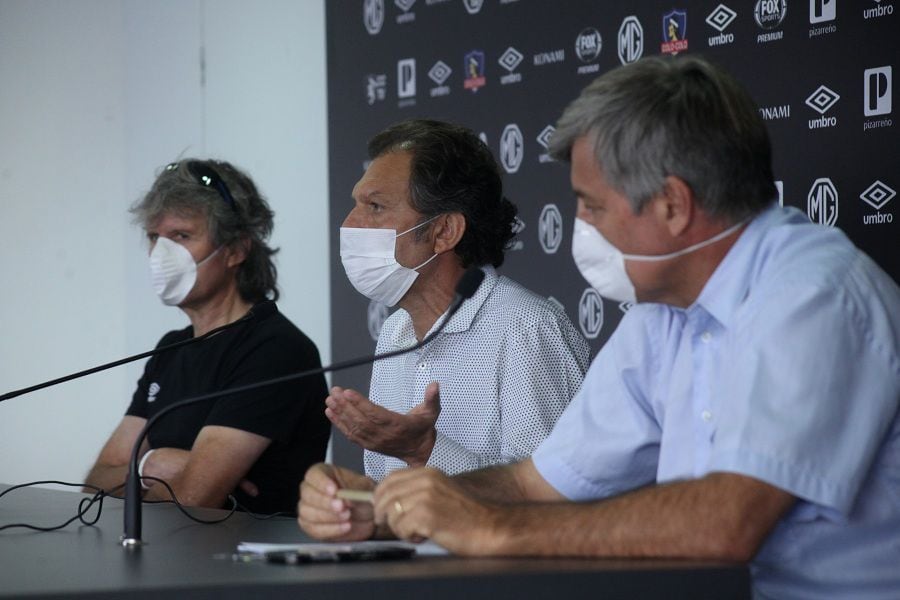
x: 785, y: 369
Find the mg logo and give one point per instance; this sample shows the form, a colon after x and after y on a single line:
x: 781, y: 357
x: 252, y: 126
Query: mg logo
x: 822, y: 202
x: 822, y: 99
x: 512, y: 148
x: 550, y: 229
x: 631, y: 40
x: 877, y: 91
x: 473, y: 6
x: 377, y: 315
x: 769, y: 14
x: 821, y: 11
x: 373, y: 15
x: 406, y: 78
x: 877, y: 195
x: 720, y: 18
x: 588, y: 45
x: 440, y: 72
x: 590, y: 313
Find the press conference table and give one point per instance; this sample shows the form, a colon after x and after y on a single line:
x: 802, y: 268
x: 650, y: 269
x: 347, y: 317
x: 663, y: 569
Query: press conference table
x: 186, y: 559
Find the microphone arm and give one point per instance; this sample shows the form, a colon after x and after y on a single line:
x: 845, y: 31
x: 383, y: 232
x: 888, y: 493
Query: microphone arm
x: 260, y: 310
x: 466, y: 287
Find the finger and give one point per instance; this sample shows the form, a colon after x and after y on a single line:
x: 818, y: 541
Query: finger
x: 322, y: 478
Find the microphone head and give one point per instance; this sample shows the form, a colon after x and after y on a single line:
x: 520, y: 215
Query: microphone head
x: 469, y: 282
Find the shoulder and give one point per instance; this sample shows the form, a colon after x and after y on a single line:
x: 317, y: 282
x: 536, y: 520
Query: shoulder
x: 511, y: 305
x: 277, y: 332
x: 175, y: 336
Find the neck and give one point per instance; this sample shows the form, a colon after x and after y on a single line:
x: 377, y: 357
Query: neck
x: 222, y: 310
x: 690, y: 275
x: 431, y: 294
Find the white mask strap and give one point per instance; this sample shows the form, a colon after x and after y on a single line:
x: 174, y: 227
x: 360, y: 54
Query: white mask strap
x: 683, y: 251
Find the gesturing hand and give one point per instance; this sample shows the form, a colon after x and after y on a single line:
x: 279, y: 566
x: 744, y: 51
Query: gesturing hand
x: 409, y: 437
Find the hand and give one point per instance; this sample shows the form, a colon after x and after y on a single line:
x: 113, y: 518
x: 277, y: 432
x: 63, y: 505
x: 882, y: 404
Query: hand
x: 420, y: 504
x: 409, y: 437
x: 322, y: 515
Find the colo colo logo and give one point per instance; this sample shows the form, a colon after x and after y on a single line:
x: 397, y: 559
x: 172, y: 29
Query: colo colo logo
x: 674, y: 32
x: 590, y: 313
x: 822, y: 202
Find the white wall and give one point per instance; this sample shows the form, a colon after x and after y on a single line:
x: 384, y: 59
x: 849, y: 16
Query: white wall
x: 95, y: 96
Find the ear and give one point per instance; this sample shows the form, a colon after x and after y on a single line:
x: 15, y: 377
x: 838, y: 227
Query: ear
x: 448, y: 230
x: 236, y: 252
x: 674, y: 206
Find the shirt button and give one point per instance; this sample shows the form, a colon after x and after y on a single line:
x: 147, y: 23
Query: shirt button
x: 706, y: 416
x: 422, y: 366
x: 706, y: 337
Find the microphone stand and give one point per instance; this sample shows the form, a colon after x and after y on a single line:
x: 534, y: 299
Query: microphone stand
x: 259, y: 310
x: 131, y: 538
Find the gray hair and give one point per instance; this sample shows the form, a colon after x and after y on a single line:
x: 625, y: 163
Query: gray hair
x: 680, y: 116
x: 234, y: 211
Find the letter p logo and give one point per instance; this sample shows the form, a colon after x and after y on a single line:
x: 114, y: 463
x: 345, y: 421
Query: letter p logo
x: 877, y: 96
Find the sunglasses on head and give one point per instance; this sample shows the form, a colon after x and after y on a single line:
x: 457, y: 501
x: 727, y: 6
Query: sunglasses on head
x: 207, y: 177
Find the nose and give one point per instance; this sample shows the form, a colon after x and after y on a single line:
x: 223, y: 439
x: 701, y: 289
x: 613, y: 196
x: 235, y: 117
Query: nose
x: 350, y: 220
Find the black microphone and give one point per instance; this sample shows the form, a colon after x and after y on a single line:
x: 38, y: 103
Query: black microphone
x: 465, y: 289
x: 261, y: 310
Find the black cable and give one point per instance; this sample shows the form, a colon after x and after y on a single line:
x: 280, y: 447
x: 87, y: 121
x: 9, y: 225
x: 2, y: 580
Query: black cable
x: 85, y: 504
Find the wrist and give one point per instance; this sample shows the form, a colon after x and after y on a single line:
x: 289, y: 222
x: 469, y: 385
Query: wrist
x: 419, y: 457
x: 141, y: 465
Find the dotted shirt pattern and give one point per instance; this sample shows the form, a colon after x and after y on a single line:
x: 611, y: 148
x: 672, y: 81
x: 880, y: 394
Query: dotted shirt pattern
x: 508, y: 363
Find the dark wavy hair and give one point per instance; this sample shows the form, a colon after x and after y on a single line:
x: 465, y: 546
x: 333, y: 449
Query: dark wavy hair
x: 181, y: 189
x: 452, y: 170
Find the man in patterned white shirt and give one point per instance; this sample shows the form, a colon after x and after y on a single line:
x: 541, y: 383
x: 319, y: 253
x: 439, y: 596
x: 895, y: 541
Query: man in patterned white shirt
x: 489, y: 389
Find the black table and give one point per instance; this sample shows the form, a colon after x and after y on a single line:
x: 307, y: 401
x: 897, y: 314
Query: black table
x: 184, y: 559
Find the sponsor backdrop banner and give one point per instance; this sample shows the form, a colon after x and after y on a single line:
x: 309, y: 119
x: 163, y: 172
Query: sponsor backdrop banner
x: 821, y: 71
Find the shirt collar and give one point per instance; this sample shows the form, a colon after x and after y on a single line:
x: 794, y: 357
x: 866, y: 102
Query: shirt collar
x: 730, y: 282
x: 405, y: 334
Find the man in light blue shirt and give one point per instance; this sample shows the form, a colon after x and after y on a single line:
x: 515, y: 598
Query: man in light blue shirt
x: 745, y: 409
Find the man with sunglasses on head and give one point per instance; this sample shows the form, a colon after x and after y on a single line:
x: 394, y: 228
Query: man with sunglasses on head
x: 208, y: 227
x: 490, y: 387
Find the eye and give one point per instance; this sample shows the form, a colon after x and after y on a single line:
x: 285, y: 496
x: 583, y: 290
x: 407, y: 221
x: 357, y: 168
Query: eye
x: 375, y: 207
x: 152, y: 237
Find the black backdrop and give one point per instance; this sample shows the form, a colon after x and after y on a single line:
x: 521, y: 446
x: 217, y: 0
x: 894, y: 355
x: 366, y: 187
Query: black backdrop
x: 820, y: 70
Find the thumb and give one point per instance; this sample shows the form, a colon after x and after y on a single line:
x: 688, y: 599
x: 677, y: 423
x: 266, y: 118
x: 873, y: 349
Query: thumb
x: 432, y: 403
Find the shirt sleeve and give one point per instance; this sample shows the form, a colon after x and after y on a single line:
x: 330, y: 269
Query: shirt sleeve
x: 607, y: 440
x: 540, y: 369
x: 814, y: 392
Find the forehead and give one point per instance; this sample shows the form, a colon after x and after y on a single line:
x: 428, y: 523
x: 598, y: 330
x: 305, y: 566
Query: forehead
x: 179, y: 220
x: 585, y: 171
x: 388, y: 175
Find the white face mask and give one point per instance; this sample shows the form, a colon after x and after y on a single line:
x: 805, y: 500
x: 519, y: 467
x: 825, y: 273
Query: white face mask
x: 173, y: 271
x: 603, y: 265
x: 369, y: 259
